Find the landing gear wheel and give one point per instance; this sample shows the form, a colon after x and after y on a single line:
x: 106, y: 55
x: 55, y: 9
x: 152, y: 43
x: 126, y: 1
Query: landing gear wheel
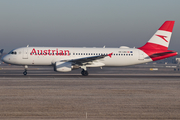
x: 25, y: 69
x: 25, y: 72
x: 84, y: 72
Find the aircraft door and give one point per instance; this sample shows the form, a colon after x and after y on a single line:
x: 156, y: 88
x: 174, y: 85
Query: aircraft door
x: 25, y: 54
x: 141, y: 55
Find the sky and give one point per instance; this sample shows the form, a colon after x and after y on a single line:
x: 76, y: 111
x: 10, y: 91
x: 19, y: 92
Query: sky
x: 85, y: 23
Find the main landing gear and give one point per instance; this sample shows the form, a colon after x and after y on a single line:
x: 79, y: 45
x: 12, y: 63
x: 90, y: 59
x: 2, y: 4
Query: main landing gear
x: 84, y: 71
x: 25, y: 70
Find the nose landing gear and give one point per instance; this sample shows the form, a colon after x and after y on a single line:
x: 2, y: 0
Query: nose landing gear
x: 25, y: 70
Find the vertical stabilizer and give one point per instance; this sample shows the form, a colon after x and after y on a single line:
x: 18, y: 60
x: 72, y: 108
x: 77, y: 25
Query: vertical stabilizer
x: 160, y: 40
x: 1, y: 52
x: 157, y: 47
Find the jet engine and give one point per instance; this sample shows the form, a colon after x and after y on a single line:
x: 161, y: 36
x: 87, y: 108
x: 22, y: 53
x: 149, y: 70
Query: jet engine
x: 62, y: 67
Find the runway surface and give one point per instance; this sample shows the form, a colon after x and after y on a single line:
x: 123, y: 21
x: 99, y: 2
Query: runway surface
x: 106, y: 72
x: 108, y: 94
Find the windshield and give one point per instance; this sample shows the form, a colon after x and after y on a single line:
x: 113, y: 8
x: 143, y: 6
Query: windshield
x: 12, y: 52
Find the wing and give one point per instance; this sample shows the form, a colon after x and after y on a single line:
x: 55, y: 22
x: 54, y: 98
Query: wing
x: 81, y: 61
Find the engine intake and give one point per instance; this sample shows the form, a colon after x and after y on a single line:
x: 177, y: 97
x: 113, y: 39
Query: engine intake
x: 63, y: 67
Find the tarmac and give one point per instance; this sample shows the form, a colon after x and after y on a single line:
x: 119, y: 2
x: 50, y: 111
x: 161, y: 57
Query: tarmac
x: 112, y: 93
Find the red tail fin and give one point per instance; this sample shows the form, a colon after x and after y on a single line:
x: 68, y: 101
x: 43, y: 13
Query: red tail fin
x: 160, y: 40
x: 156, y: 47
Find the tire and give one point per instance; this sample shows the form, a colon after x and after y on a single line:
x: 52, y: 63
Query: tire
x: 84, y: 73
x: 25, y: 72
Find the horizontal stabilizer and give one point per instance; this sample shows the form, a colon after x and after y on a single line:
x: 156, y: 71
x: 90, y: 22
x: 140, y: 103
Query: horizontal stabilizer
x: 161, y: 54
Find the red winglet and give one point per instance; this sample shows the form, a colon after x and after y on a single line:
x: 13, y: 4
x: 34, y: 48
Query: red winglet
x: 110, y: 54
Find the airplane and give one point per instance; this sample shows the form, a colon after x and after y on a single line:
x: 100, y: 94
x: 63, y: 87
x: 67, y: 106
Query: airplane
x: 65, y: 59
x: 1, y: 52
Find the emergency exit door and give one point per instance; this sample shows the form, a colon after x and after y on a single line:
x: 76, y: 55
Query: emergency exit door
x: 25, y: 54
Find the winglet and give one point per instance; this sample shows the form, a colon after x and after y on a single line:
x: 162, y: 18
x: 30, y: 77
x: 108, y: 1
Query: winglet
x: 110, y: 54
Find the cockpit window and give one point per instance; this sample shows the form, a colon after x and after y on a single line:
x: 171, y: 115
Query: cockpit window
x: 13, y: 52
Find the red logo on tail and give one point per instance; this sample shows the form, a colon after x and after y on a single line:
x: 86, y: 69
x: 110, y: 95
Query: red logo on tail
x: 163, y: 37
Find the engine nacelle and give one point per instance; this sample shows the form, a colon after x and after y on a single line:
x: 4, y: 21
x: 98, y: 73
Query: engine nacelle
x: 63, y: 67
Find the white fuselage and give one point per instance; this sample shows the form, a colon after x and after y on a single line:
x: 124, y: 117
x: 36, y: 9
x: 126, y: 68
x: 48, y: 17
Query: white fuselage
x: 50, y: 55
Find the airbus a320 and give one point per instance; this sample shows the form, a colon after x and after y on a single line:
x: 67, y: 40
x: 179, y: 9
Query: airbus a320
x: 65, y: 59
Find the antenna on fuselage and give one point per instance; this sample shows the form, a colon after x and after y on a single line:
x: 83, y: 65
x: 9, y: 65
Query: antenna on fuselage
x: 27, y: 45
